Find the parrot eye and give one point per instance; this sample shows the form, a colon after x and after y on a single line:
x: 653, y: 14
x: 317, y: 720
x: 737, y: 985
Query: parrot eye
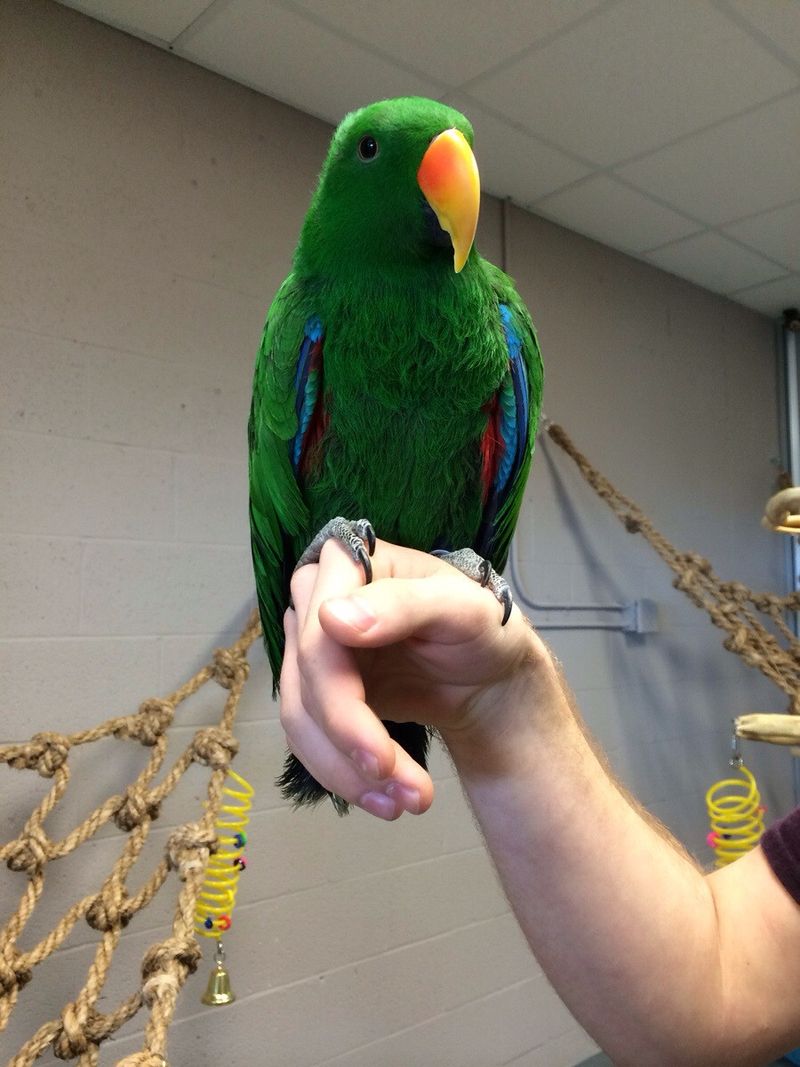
x: 367, y: 148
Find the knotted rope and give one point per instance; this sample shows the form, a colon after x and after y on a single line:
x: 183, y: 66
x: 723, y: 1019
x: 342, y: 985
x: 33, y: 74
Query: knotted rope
x: 82, y: 1027
x: 731, y: 606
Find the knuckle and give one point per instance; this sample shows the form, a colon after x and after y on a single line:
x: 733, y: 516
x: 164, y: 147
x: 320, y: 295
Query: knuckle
x: 288, y: 716
x: 296, y: 583
x: 306, y: 657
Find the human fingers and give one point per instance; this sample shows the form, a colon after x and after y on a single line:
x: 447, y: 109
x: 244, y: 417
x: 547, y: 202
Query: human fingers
x: 331, y: 689
x: 409, y: 789
x: 446, y: 608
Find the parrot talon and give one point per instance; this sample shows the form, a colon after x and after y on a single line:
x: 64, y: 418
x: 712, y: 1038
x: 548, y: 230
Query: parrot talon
x: 366, y: 532
x: 352, y: 536
x: 507, y: 600
x: 480, y: 570
x: 485, y: 572
x: 366, y: 563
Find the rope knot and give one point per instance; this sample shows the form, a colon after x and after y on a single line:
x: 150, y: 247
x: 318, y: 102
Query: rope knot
x: 738, y: 640
x: 29, y: 853
x: 82, y: 1030
x: 698, y: 562
x: 45, y: 753
x: 230, y: 667
x: 72, y: 1039
x: 13, y: 972
x: 737, y: 591
x: 693, y: 567
x: 106, y: 913
x: 151, y: 720
x: 185, y: 842
x: 214, y: 747
x: 135, y: 807
x: 632, y: 523
x: 168, y: 957
x: 685, y: 581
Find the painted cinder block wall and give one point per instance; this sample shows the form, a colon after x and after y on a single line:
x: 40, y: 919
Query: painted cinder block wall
x: 148, y: 210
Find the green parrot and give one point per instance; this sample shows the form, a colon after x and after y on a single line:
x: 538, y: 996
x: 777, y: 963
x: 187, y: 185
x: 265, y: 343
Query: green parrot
x: 399, y: 376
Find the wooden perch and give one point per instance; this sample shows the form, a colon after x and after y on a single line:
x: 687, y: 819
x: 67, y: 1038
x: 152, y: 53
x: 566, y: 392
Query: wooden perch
x: 782, y: 511
x: 777, y: 729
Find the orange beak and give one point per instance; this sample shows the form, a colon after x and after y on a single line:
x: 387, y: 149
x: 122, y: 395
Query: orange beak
x: 448, y: 178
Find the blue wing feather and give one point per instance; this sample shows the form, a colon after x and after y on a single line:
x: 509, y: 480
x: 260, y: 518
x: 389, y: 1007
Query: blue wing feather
x: 306, y: 386
x: 514, y: 428
x: 515, y: 423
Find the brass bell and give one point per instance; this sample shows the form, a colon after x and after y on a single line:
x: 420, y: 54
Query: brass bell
x: 218, y: 991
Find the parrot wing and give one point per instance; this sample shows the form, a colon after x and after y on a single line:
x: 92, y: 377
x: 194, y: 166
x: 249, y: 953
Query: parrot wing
x: 286, y: 423
x: 507, y: 444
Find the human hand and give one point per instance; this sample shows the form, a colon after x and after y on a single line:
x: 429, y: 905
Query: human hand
x: 422, y: 643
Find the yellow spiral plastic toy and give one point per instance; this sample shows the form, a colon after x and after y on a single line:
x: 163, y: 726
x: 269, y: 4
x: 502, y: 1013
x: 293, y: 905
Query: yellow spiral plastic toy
x: 212, y: 915
x: 736, y: 815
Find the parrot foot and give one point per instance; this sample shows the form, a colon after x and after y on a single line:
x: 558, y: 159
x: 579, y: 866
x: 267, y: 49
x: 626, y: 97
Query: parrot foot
x: 353, y: 536
x: 480, y: 570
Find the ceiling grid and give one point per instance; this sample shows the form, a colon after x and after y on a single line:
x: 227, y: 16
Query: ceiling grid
x: 668, y: 131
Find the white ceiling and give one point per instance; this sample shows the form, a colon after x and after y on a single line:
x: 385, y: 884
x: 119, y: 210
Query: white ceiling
x: 669, y: 129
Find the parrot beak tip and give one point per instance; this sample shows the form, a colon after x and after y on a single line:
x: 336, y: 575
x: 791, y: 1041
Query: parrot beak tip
x: 448, y: 177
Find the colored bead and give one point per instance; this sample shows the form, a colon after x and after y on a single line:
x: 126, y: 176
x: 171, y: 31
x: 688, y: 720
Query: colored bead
x: 224, y: 922
x: 240, y: 840
x: 209, y: 924
x: 711, y: 840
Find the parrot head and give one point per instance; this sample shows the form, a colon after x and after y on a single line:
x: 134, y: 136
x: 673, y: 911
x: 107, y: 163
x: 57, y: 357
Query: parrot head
x: 399, y: 188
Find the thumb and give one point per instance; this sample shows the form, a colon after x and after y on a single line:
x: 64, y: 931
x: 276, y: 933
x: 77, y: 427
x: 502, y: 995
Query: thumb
x: 442, y: 607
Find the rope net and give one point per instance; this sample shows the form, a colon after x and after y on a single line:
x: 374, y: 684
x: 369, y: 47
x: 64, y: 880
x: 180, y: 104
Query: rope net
x: 770, y: 645
x: 82, y: 1027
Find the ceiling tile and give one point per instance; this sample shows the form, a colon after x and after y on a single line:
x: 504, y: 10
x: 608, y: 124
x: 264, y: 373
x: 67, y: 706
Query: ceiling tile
x: 777, y: 19
x: 639, y: 74
x: 281, y: 53
x: 608, y: 211
x: 452, y: 40
x: 773, y: 297
x: 512, y: 162
x: 145, y: 18
x: 775, y: 233
x: 743, y: 166
x: 714, y: 262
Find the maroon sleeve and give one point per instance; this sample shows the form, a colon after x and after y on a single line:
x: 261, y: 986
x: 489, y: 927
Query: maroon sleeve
x: 781, y: 845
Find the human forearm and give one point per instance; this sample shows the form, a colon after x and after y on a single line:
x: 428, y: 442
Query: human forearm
x: 620, y: 918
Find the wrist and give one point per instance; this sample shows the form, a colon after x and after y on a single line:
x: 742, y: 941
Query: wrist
x: 507, y: 721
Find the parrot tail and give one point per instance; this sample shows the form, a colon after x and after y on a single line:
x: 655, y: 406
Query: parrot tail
x: 302, y: 789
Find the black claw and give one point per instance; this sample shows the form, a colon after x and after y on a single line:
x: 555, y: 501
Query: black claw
x: 485, y: 572
x: 370, y: 539
x: 365, y: 562
x: 507, y: 601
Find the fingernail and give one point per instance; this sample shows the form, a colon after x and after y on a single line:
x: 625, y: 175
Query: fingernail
x: 354, y: 611
x: 366, y: 763
x: 407, y: 797
x: 378, y: 804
